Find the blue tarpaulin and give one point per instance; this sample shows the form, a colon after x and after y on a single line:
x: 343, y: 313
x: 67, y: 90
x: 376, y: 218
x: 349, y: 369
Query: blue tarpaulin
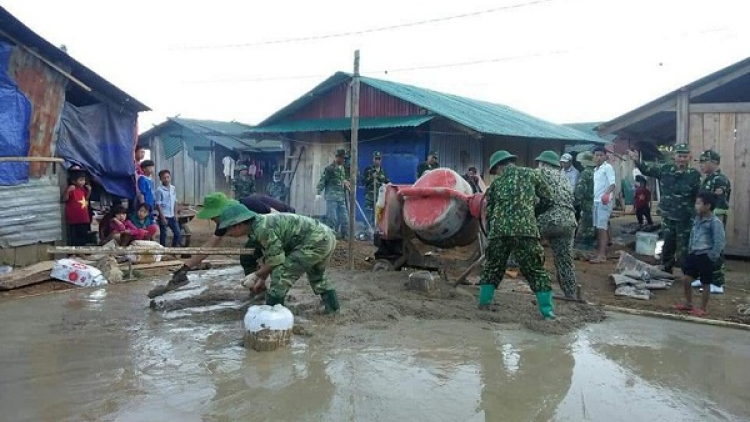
x: 101, y: 140
x: 15, y: 118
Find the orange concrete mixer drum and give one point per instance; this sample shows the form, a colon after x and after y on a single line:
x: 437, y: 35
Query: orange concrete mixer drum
x: 437, y: 209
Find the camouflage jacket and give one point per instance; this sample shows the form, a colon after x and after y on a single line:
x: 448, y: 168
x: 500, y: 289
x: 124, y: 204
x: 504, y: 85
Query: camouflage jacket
x: 332, y: 182
x: 280, y: 234
x: 719, y: 184
x: 277, y: 190
x: 424, y: 166
x: 584, y: 193
x: 243, y: 186
x: 561, y: 213
x: 372, y: 179
x: 678, y: 189
x: 510, y: 203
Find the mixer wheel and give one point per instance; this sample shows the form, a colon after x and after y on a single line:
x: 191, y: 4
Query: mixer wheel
x: 382, y: 265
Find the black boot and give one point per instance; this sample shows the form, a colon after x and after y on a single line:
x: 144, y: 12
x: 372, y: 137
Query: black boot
x: 331, y: 301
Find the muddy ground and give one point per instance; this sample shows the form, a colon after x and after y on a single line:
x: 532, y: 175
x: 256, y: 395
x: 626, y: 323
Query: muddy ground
x: 386, y: 290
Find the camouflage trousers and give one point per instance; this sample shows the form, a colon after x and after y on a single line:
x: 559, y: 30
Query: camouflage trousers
x: 721, y: 267
x: 560, y: 240
x: 337, y: 215
x: 676, y: 235
x: 250, y: 262
x: 529, y: 254
x: 586, y: 234
x: 311, y: 259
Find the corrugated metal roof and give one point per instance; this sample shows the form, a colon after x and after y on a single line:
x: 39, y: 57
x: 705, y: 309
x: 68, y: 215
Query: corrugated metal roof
x: 196, y: 132
x: 590, y: 128
x: 482, y: 116
x: 30, y: 213
x: 336, y: 125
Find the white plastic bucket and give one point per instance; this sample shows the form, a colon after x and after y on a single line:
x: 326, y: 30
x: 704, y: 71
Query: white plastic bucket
x: 645, y: 243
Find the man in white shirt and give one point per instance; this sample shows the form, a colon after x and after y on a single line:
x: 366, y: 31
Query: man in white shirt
x: 604, y: 187
x: 570, y: 172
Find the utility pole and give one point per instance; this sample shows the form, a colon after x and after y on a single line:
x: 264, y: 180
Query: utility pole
x: 354, y: 170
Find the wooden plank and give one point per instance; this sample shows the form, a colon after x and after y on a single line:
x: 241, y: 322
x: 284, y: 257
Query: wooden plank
x: 725, y: 148
x: 695, y: 133
x: 727, y: 124
x: 740, y: 236
x: 21, y: 277
x: 100, y: 250
x: 8, y: 256
x: 637, y: 115
x: 710, y: 130
x: 720, y: 108
x: 683, y: 118
x: 32, y: 159
x: 26, y: 255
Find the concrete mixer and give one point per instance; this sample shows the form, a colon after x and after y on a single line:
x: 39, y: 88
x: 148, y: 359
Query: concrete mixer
x: 438, y: 210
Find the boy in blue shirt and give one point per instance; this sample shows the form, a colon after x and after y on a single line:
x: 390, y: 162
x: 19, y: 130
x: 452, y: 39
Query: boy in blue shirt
x: 707, y: 241
x: 146, y: 185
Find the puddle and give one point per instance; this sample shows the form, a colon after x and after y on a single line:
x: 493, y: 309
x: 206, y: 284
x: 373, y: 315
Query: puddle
x: 102, y: 354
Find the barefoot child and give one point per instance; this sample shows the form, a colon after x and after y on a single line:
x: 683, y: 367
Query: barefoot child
x: 707, y: 240
x: 143, y: 220
x: 77, y: 215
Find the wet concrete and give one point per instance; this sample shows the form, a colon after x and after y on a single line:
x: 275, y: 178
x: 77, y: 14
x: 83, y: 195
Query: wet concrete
x: 102, y: 354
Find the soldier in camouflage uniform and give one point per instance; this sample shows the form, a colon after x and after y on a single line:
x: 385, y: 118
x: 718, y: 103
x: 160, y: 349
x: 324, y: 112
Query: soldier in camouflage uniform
x: 292, y: 245
x: 335, y: 183
x: 372, y: 179
x: 716, y: 182
x: 430, y: 164
x: 511, y: 218
x: 679, y: 184
x: 277, y: 189
x: 558, y: 224
x: 244, y: 184
x: 584, y: 200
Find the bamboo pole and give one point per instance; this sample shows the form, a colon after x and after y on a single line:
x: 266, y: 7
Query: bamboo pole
x: 99, y: 250
x: 354, y: 159
x: 32, y: 159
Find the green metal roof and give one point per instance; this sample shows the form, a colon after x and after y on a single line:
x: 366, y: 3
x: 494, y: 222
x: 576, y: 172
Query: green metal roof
x: 590, y: 128
x: 481, y: 116
x: 336, y: 125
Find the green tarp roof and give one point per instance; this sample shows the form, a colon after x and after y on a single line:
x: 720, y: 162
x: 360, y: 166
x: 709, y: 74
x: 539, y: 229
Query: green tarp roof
x: 481, y: 116
x: 336, y: 125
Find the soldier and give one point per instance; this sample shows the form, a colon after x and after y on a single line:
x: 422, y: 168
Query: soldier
x: 513, y: 229
x: 373, y: 178
x: 277, y: 189
x: 336, y: 185
x: 558, y: 224
x: 244, y: 184
x: 430, y: 164
x: 584, y: 199
x: 679, y: 185
x: 717, y: 183
x: 292, y: 245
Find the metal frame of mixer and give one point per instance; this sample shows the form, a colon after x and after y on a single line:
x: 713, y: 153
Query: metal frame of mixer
x: 398, y: 250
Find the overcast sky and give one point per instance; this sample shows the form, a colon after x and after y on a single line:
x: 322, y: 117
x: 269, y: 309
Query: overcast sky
x: 563, y: 60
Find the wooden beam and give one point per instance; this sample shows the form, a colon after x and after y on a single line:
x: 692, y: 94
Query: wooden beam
x: 99, y: 250
x: 32, y: 159
x: 683, y: 117
x: 636, y: 116
x: 720, y: 108
x: 720, y: 81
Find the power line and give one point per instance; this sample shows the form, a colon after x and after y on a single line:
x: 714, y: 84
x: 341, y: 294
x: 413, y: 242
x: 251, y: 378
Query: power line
x: 369, y: 30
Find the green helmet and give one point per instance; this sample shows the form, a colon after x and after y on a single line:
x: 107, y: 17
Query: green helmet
x: 500, y: 156
x: 549, y: 157
x: 233, y: 214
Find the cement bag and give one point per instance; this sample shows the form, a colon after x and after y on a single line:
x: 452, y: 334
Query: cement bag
x: 144, y: 244
x: 80, y: 274
x: 268, y: 327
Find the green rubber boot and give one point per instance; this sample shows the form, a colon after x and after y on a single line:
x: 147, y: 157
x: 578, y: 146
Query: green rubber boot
x: 546, y: 307
x: 273, y: 300
x: 331, y: 301
x: 486, y: 294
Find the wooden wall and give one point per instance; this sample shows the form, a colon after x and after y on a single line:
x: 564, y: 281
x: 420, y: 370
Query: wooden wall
x: 320, y: 149
x: 191, y: 179
x: 729, y: 135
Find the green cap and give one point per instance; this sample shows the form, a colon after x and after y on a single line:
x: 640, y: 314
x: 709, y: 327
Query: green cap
x: 340, y: 153
x: 376, y: 154
x: 241, y: 167
x: 433, y: 154
x: 682, y: 149
x: 233, y: 214
x: 586, y: 159
x: 710, y: 155
x: 549, y: 157
x: 213, y: 203
x: 500, y: 156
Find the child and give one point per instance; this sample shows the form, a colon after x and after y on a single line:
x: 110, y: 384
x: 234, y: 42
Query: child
x: 77, y: 216
x: 166, y: 200
x: 113, y: 226
x: 707, y: 240
x: 143, y: 219
x: 643, y: 202
x: 146, y: 184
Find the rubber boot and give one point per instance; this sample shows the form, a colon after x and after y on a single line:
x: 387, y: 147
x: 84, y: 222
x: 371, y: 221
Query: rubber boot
x: 331, y: 301
x: 546, y: 307
x: 273, y: 300
x: 486, y: 294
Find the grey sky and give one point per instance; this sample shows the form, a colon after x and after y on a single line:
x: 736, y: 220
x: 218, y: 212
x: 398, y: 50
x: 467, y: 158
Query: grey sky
x: 591, y: 59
